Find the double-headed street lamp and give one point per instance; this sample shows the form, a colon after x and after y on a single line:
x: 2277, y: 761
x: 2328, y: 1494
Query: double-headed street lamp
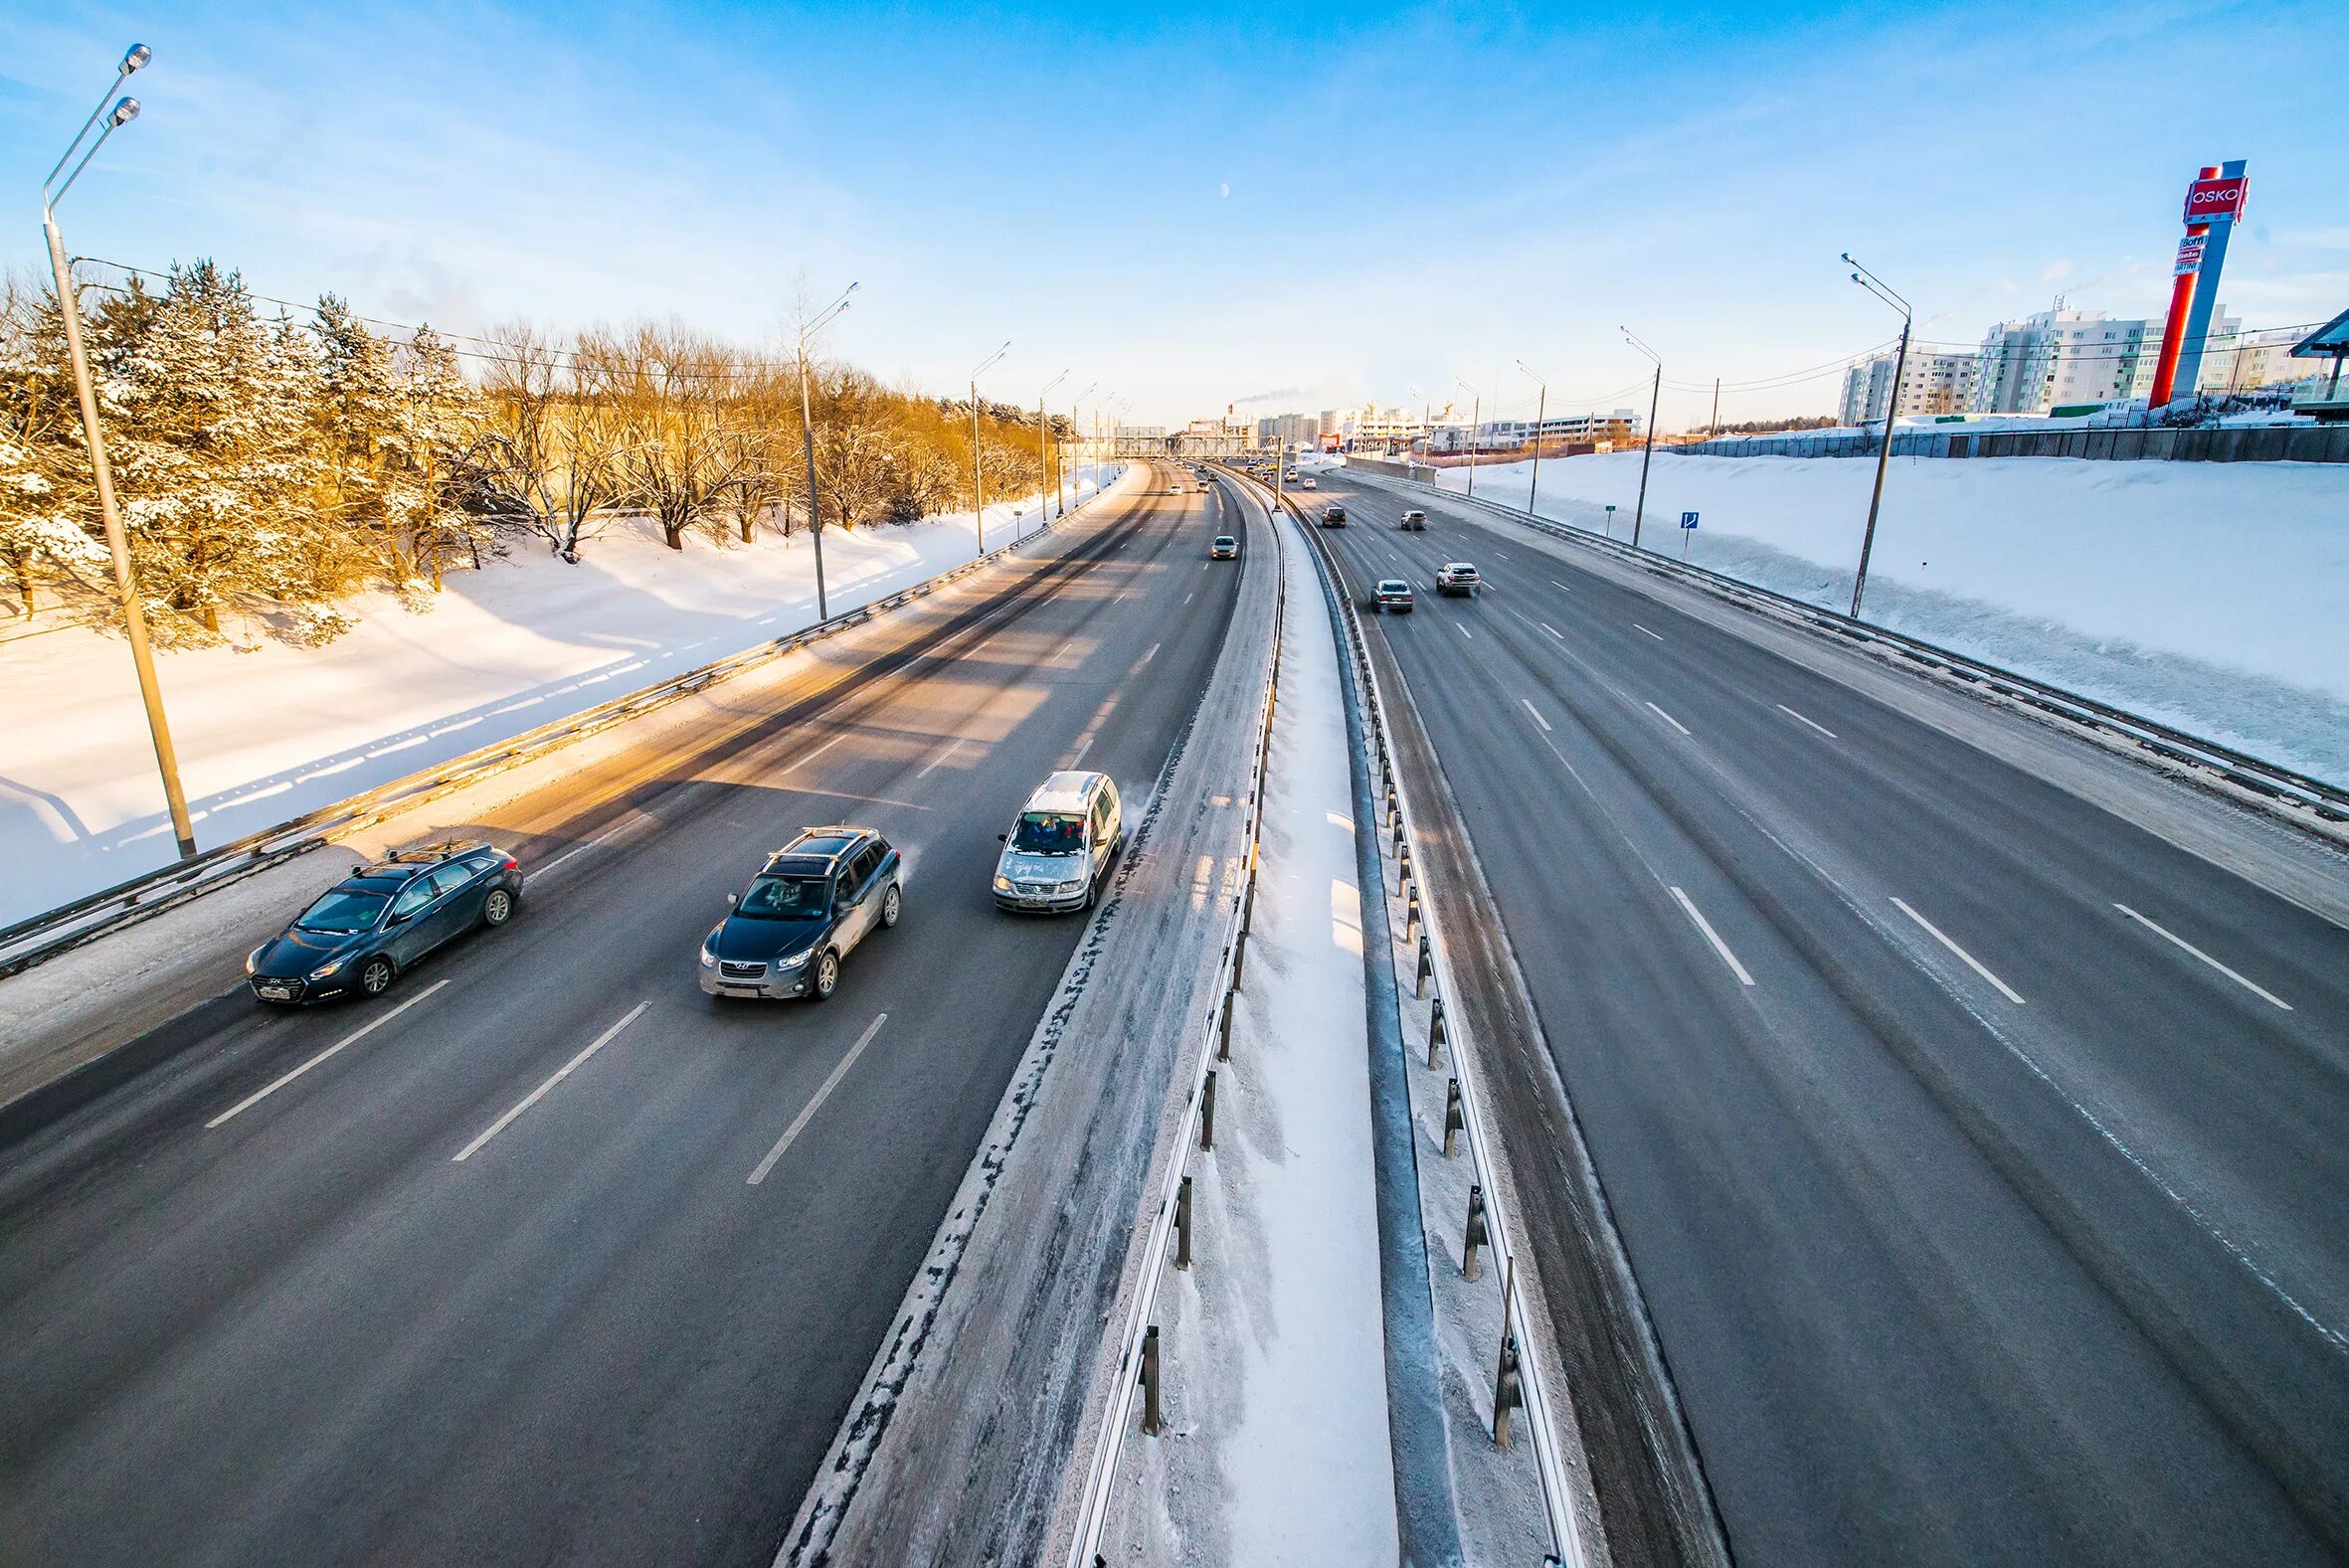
x: 69, y: 305
x: 1043, y: 453
x: 823, y: 318
x: 1639, y: 512
x: 979, y: 483
x: 1884, y: 454
x: 1540, y: 416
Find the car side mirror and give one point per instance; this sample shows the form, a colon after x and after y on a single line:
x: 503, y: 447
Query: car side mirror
x: 398, y: 919
x: 1003, y: 838
x: 733, y: 900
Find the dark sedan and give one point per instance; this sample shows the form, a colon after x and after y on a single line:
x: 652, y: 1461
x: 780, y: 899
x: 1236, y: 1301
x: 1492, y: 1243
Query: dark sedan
x: 813, y: 901
x: 381, y: 920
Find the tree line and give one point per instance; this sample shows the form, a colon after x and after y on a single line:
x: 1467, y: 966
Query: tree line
x: 268, y: 467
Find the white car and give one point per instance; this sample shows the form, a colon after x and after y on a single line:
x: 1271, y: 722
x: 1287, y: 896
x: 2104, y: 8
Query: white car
x: 1457, y: 579
x: 1307, y: 484
x: 1059, y: 850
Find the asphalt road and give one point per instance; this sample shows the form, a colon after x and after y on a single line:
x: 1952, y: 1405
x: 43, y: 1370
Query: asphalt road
x: 1981, y: 1156
x: 310, y: 1332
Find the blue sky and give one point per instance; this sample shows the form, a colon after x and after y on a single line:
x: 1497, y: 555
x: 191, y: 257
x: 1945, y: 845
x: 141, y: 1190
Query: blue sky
x: 1279, y: 206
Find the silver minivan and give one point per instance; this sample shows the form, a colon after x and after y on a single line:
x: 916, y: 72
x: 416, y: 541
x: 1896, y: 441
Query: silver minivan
x: 1058, y: 851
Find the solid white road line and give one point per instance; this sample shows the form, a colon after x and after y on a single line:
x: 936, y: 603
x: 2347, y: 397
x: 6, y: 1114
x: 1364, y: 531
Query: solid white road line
x: 566, y: 855
x: 1714, y: 937
x: 1535, y: 712
x: 808, y: 1111
x: 538, y: 1094
x: 1553, y: 630
x: 1821, y: 727
x: 2260, y: 991
x: 1971, y: 963
x: 360, y: 1034
x: 942, y: 754
x: 1668, y: 718
x: 1636, y: 627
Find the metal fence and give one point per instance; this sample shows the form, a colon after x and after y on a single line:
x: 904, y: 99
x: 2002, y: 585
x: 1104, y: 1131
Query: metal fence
x: 2235, y: 444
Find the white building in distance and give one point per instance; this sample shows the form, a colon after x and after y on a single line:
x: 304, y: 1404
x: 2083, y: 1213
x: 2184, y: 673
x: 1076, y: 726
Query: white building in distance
x: 2062, y: 358
x: 1931, y: 383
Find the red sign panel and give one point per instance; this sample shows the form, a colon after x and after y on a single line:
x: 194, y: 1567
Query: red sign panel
x: 2209, y: 200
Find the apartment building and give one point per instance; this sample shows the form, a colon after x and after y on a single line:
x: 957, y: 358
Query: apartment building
x: 1930, y: 383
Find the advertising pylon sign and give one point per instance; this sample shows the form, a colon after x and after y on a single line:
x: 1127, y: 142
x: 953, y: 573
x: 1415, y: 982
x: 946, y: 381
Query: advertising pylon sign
x: 2212, y: 202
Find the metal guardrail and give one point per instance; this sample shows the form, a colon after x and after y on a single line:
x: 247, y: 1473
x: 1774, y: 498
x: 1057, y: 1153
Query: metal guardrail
x: 1093, y: 1505
x: 41, y: 936
x: 1566, y: 1546
x: 2269, y: 781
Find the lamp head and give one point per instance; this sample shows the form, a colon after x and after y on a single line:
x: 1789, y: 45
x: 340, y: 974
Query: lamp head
x: 136, y: 57
x: 1848, y: 259
x: 125, y: 112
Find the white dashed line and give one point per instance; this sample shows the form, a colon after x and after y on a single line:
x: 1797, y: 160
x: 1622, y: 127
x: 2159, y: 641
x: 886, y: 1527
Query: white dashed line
x: 540, y: 1093
x: 808, y: 1111
x: 1553, y: 630
x: 1668, y: 718
x: 944, y: 752
x: 356, y: 1035
x: 1464, y: 632
x: 2260, y: 991
x: 1561, y: 587
x: 1537, y: 713
x: 1714, y: 937
x: 1971, y: 963
x: 1821, y: 727
x: 1636, y: 627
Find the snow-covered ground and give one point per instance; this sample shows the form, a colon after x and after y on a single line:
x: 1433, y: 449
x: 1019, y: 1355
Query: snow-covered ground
x: 1276, y: 1446
x: 2213, y: 596
x: 266, y: 732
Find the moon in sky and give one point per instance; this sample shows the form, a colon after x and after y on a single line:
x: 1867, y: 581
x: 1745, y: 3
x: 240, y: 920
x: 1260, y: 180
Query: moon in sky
x: 1223, y: 190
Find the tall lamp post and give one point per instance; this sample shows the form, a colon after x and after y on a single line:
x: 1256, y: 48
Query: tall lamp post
x: 1541, y: 415
x: 823, y: 318
x: 69, y: 305
x: 1884, y: 454
x: 1476, y: 415
x: 1654, y: 391
x: 1043, y: 453
x: 1076, y: 423
x: 977, y: 482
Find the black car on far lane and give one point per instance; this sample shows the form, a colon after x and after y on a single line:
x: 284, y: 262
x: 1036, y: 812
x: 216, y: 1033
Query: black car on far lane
x: 379, y: 920
x: 813, y: 901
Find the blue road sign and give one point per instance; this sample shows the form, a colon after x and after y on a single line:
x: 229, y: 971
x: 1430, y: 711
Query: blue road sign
x: 1688, y: 519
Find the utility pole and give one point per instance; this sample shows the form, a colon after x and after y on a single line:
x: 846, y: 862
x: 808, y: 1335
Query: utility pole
x: 1654, y: 391
x: 808, y: 442
x: 1712, y: 427
x: 1476, y: 413
x: 1541, y: 415
x: 977, y: 477
x: 1044, y: 485
x: 1884, y: 454
x: 1076, y: 426
x: 69, y: 305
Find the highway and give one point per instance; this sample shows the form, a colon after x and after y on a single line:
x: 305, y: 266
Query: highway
x: 1980, y: 1155
x: 490, y: 1278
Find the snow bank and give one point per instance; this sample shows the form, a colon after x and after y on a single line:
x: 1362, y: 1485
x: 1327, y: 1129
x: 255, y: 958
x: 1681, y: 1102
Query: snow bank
x: 266, y: 732
x: 2213, y: 596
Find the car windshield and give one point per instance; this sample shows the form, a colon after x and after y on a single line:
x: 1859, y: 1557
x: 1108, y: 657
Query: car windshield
x: 341, y: 912
x: 1394, y: 586
x: 783, y: 898
x: 1049, y: 833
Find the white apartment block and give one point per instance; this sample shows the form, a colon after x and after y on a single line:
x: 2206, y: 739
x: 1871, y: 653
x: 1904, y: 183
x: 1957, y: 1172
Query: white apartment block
x: 1930, y: 384
x: 2062, y: 357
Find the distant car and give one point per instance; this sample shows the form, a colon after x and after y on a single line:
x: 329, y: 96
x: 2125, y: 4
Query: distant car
x: 1457, y: 579
x: 1333, y: 516
x: 1225, y: 548
x: 1060, y: 846
x: 1414, y: 520
x: 1307, y: 484
x: 1392, y: 593
x: 382, y: 920
x: 1291, y: 476
x: 805, y: 911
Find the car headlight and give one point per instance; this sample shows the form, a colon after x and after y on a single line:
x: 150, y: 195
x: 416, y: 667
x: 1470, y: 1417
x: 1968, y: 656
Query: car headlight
x: 253, y: 959
x: 1072, y: 884
x: 1003, y: 884
x: 326, y: 968
x: 710, y: 960
x: 795, y: 960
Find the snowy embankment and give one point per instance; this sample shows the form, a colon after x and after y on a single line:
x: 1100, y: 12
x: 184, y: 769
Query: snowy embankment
x: 2211, y: 597
x: 267, y: 732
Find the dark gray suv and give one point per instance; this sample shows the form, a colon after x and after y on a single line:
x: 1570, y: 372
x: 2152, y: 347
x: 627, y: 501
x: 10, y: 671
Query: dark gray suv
x: 813, y: 901
x: 379, y: 920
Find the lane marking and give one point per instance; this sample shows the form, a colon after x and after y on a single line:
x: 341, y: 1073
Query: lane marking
x: 946, y: 751
x: 2257, y: 990
x: 569, y: 853
x: 1464, y: 632
x: 1152, y: 655
x: 807, y: 757
x: 1821, y: 727
x: 808, y: 1111
x: 1537, y: 713
x: 1187, y: 598
x: 1727, y: 956
x: 356, y: 1035
x: 1553, y: 630
x: 1561, y: 587
x: 1971, y: 963
x: 1636, y: 627
x: 1668, y: 718
x: 540, y: 1093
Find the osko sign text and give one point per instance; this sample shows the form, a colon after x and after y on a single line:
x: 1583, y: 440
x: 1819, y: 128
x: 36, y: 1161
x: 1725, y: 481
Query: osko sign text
x: 2207, y: 199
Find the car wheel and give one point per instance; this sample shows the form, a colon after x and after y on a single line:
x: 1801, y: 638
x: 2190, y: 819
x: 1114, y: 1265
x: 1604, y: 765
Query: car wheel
x: 827, y: 976
x: 498, y: 908
x: 892, y: 906
x: 375, y: 976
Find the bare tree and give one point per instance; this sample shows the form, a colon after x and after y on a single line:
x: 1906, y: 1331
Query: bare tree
x: 551, y: 457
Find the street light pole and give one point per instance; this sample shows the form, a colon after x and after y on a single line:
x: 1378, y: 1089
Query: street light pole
x: 1541, y: 414
x: 1654, y: 391
x: 978, y: 481
x: 1476, y: 413
x: 1076, y: 423
x: 1043, y: 451
x: 1883, y: 455
x: 807, y: 439
x: 69, y: 305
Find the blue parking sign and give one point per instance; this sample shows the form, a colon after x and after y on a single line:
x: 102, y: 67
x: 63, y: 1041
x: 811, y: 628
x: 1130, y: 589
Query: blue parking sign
x: 1688, y: 519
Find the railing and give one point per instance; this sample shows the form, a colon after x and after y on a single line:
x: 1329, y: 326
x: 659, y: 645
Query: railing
x: 2227, y: 443
x: 1093, y: 1504
x: 41, y: 936
x: 2268, y: 783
